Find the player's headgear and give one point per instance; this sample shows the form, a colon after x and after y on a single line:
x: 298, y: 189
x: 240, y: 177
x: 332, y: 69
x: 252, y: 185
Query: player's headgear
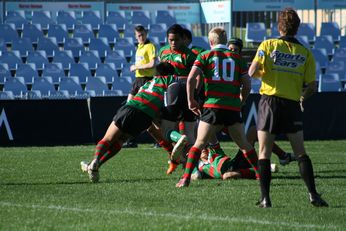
x: 236, y: 41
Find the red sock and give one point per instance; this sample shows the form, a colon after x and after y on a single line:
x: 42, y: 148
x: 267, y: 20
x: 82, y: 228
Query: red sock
x: 112, y: 151
x: 181, y: 127
x: 101, y: 148
x: 247, y: 173
x: 167, y: 146
x: 192, y: 160
x: 252, y: 158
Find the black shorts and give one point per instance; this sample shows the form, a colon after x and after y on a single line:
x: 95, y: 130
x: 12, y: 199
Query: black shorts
x: 139, y: 81
x: 278, y: 115
x: 176, y: 107
x: 132, y: 120
x: 217, y: 116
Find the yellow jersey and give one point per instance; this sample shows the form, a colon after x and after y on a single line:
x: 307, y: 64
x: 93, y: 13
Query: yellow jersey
x: 285, y: 66
x: 144, y: 54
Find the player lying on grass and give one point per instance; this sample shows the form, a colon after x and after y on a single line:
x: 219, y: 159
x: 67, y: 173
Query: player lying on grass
x: 215, y: 164
x: 136, y: 116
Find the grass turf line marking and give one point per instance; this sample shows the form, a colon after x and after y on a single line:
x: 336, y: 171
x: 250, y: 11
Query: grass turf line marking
x: 169, y: 215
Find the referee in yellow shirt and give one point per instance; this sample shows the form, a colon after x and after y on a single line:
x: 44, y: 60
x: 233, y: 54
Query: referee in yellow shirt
x: 285, y: 66
x: 145, y: 61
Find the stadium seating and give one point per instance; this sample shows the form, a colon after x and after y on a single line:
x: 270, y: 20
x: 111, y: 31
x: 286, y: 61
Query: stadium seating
x: 11, y: 58
x: 117, y: 58
x: 83, y: 31
x: 32, y: 31
x: 340, y: 55
x: 53, y: 70
x: 336, y: 66
x: 80, y: 70
x: 125, y: 45
x: 3, y: 46
x: 255, y: 32
x: 23, y: 45
x: 122, y: 84
x: 158, y: 30
x: 92, y: 17
x: 332, y: 29
x: 166, y: 17
x: 8, y: 33
x: 75, y: 45
x: 342, y: 43
x: 17, y: 17
x: 43, y: 18
x: 118, y: 18
x: 58, y: 31
x: 329, y: 82
x: 307, y: 29
x: 91, y: 57
x: 44, y: 86
x: 97, y: 84
x: 101, y: 45
x: 27, y: 71
x: 4, y: 73
x: 325, y: 41
x: 321, y: 56
x: 274, y: 30
x: 303, y: 39
x: 201, y: 41
x: 6, y: 95
x: 68, y: 18
x: 140, y: 17
x: 39, y: 58
x: 108, y: 70
x: 48, y: 44
x: 16, y: 85
x: 73, y: 87
x: 64, y: 57
x: 110, y: 32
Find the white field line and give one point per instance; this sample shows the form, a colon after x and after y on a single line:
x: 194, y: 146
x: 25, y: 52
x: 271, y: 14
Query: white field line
x: 202, y: 217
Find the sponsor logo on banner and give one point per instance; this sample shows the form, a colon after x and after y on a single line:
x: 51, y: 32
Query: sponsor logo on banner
x: 4, y: 121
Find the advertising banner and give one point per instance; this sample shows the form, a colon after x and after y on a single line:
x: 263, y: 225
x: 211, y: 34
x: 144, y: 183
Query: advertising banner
x: 272, y: 5
x: 216, y: 12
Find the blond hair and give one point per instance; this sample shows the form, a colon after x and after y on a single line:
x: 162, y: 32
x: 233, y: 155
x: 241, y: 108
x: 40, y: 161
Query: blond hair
x: 217, y: 35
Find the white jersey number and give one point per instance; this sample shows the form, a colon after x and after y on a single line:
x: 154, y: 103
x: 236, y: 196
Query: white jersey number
x: 226, y: 64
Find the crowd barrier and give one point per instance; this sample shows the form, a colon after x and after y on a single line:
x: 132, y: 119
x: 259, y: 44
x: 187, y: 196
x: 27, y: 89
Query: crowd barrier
x: 76, y: 122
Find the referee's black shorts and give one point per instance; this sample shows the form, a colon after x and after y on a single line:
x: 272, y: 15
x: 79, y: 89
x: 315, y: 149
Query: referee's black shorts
x: 278, y: 115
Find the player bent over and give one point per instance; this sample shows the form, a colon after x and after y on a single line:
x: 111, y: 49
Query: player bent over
x: 131, y: 119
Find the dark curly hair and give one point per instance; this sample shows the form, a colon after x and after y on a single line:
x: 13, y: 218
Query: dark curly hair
x: 288, y: 22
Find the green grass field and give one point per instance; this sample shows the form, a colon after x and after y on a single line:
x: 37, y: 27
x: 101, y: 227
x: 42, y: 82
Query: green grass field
x: 42, y: 188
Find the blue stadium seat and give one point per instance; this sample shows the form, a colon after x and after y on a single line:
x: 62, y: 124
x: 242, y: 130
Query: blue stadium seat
x: 125, y: 45
x: 342, y: 43
x: 16, y: 85
x: 17, y: 17
x: 200, y: 41
x: 255, y: 32
x: 340, y: 55
x: 321, y: 56
x: 129, y: 32
x: 101, y: 45
x: 92, y: 17
x: 85, y: 32
x: 97, y: 84
x: 11, y: 58
x: 274, y: 31
x: 110, y: 32
x: 338, y: 67
x: 117, y: 58
x: 166, y: 17
x: 325, y: 41
x: 75, y: 45
x: 91, y: 57
x: 318, y: 71
x: 44, y: 86
x: 54, y: 70
x: 8, y: 33
x: 73, y: 87
x: 329, y: 82
x: 23, y: 45
x: 32, y: 31
x: 140, y: 17
x: 332, y: 29
x: 49, y: 45
x: 81, y: 70
x: 158, y: 30
x: 27, y: 71
x: 122, y: 84
x: 58, y: 31
x: 42, y: 17
x: 125, y: 72
x: 64, y: 57
x: 304, y: 40
x: 108, y: 70
x: 3, y: 45
x: 4, y: 73
x: 307, y: 29
x: 39, y: 58
x: 68, y: 18
x: 6, y: 95
x: 118, y: 18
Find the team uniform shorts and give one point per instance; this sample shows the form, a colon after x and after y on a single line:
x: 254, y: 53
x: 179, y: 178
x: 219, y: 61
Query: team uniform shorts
x: 139, y: 81
x: 176, y: 107
x: 216, y: 116
x: 278, y: 115
x: 132, y: 120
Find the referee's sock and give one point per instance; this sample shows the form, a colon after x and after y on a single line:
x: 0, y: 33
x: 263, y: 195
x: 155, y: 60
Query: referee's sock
x: 265, y: 177
x: 307, y: 172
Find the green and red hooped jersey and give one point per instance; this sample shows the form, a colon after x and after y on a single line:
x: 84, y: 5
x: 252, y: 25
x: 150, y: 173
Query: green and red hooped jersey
x: 150, y: 96
x: 217, y: 164
x: 181, y: 60
x: 222, y: 70
x: 197, y: 50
